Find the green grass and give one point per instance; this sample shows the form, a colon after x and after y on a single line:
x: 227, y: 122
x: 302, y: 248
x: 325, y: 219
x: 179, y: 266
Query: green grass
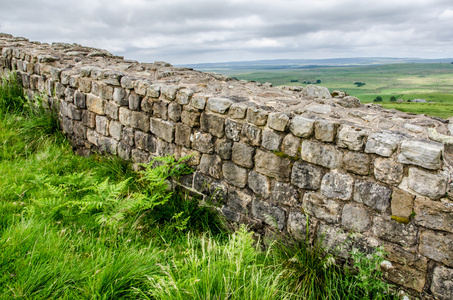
x: 91, y: 228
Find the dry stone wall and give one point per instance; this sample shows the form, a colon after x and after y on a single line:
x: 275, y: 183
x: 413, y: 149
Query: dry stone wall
x: 274, y: 158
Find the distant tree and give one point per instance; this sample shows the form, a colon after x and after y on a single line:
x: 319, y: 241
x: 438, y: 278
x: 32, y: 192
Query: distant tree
x: 378, y: 99
x: 392, y: 99
x: 318, y: 81
x: 359, y: 84
x: 294, y: 80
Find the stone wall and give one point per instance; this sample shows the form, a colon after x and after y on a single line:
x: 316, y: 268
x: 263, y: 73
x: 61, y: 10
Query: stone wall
x: 275, y: 159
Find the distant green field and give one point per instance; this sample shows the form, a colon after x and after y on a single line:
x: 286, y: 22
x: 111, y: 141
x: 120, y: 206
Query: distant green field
x: 430, y: 81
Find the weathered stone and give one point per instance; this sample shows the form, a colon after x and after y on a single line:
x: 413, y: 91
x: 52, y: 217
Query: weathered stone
x: 80, y: 99
x: 223, y: 148
x: 160, y: 109
x: 95, y: 104
x: 326, y: 131
x: 153, y: 91
x: 120, y: 97
x: 140, y: 157
x: 108, y: 145
x: 102, y: 125
x: 337, y: 185
x: 125, y: 115
x: 442, y: 285
x: 198, y: 101
x: 390, y: 230
x: 88, y: 119
x: 239, y: 200
x: 301, y: 126
x: 203, y: 142
x: 314, y: 91
x: 113, y: 77
x: 124, y: 151
x: 147, y: 105
x: 163, y: 129
x: 373, y: 195
x: 291, y: 145
x: 252, y: 134
x: 321, y: 208
x: 429, y: 184
x: 388, y: 171
x: 269, y: 214
x: 128, y: 136
x: 192, y: 157
x: 335, y: 240
x: 115, y: 129
x: 163, y: 149
x: 238, y: 110
x: 111, y: 110
x: 383, y: 143
x: 348, y: 102
x: 425, y: 154
x: 242, y: 155
x: 134, y: 101
x: 319, y: 108
x: 413, y: 128
x: 355, y: 217
x: 351, y: 137
x: 213, y: 124
x: 183, y: 96
x: 183, y: 134
x: 271, y: 140
x: 219, y: 105
x: 169, y: 91
x: 257, y: 116
x: 259, y: 184
x: 234, y: 175
x: 211, y: 165
x: 437, y: 246
x: 273, y: 166
x: 321, y: 154
x: 297, y: 226
x: 190, y: 118
x: 306, y: 176
x: 436, y: 215
x: 80, y: 130
x: 67, y: 125
x: 402, y: 203
x: 141, y: 87
x: 174, y: 112
x: 357, y: 163
x: 84, y: 85
x: 230, y: 214
x: 140, y: 120
x: 285, y: 194
x: 278, y: 121
x: 145, y: 141
x: 74, y: 113
x: 93, y: 137
x: 232, y: 130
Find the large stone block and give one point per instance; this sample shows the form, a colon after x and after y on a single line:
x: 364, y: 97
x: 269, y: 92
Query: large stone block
x: 203, y: 142
x: 144, y: 141
x: 291, y: 145
x: 321, y: 207
x: 313, y: 91
x: 402, y: 204
x: 139, y: 120
x: 153, y: 91
x: 238, y: 110
x: 233, y: 130
x: 429, y: 184
x: 211, y: 165
x: 273, y: 166
x: 390, y: 230
x: 301, y: 126
x: 163, y: 129
x: 337, y: 185
x: 436, y: 215
x: 190, y: 117
x: 326, y: 131
x: 140, y: 157
x: 219, y: 105
x: 257, y: 116
x: 120, y: 97
x: 442, y: 284
x: 95, y: 104
x: 351, y: 137
x: 198, y: 101
x: 278, y: 121
x: 357, y: 163
x: 373, y: 195
x: 271, y: 215
x: 115, y: 130
x: 437, y: 246
x: 259, y: 184
x: 160, y: 109
x: 169, y: 91
x: 239, y: 200
x: 108, y: 145
x: 388, y: 171
x: 321, y: 154
x: 111, y: 110
x: 234, y: 174
x: 426, y: 154
x: 306, y: 176
x: 183, y: 134
x: 223, y: 148
x: 355, y: 217
x: 183, y: 96
x: 102, y: 125
x: 213, y: 124
x: 174, y: 112
x: 242, y: 155
x: 271, y: 140
x: 285, y: 194
x: 251, y: 133
x: 383, y: 143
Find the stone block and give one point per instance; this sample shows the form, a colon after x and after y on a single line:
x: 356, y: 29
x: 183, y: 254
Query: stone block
x: 252, y: 134
x: 84, y: 84
x: 351, y: 137
x: 93, y: 137
x: 321, y: 208
x: 306, y: 176
x: 140, y: 157
x: 169, y: 91
x: 390, y: 230
x: 372, y: 194
x: 234, y: 174
x: 163, y: 149
x: 69, y: 95
x: 291, y: 145
x: 230, y: 214
x: 335, y: 240
x: 357, y: 163
x: 355, y: 217
x: 257, y: 116
x: 88, y: 119
x: 326, y: 131
x: 388, y: 171
x: 80, y: 130
x: 437, y: 246
x: 183, y: 134
x: 301, y: 126
x: 134, y: 101
x: 174, y: 112
x: 213, y: 124
x: 198, y: 101
x: 429, y: 184
x: 102, y: 125
x: 144, y: 141
x: 278, y: 121
x: 80, y: 99
x: 163, y: 129
x: 120, y: 97
x: 194, y: 159
x: 211, y: 165
x: 232, y: 130
x: 337, y: 185
x: 297, y: 225
x: 223, y: 148
x: 219, y: 105
x: 319, y: 108
x: 108, y: 145
x: 146, y: 105
x: 271, y: 215
x: 190, y: 118
x: 285, y: 194
x: 111, y: 110
x: 95, y: 104
x: 113, y: 77
x: 183, y: 96
x: 238, y: 110
x: 139, y: 120
x: 442, y: 284
x: 141, y: 87
x: 325, y: 155
x: 115, y: 130
x: 383, y: 143
x: 124, y: 151
x: 153, y: 91
x: 259, y: 184
x: 239, y: 200
x: 402, y: 204
x: 74, y: 113
x: 67, y: 125
x: 203, y: 142
x: 313, y: 91
x: 273, y: 166
x: 271, y: 140
x: 128, y: 82
x: 437, y: 215
x: 426, y: 154
x: 242, y: 155
x: 160, y: 109
x: 128, y: 136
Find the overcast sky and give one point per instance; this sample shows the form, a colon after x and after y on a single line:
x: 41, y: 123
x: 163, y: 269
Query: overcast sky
x: 195, y: 31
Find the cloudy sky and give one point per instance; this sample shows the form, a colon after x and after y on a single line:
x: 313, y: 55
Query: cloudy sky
x: 195, y: 31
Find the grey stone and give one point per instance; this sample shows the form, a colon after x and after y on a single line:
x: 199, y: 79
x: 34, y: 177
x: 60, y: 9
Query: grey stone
x: 140, y: 87
x: 238, y: 110
x: 271, y: 215
x: 437, y: 215
x: 134, y: 101
x: 259, y: 184
x: 80, y: 130
x: 297, y: 225
x: 442, y: 285
x: 337, y: 185
x: 223, y: 148
x: 69, y: 94
x: 198, y: 101
x: 272, y: 166
x: 140, y: 157
x: 144, y: 141
x: 147, y: 105
x: 174, y: 112
x: 113, y: 77
x: 252, y: 134
x: 388, y: 171
x: 234, y: 175
x: 93, y: 137
x: 239, y: 200
x: 271, y: 140
x: 153, y: 91
x: 321, y: 208
x: 348, y: 102
x: 111, y: 110
x: 390, y: 230
x: 437, y: 245
x: 102, y: 125
x: 355, y: 217
x: 373, y: 195
x: 357, y: 163
x: 128, y: 136
x: 351, y: 137
x: 383, y: 143
x: 88, y: 119
x: 74, y: 112
x: 84, y: 85
x: 183, y: 134
x: 183, y: 96
x: 291, y: 145
x: 108, y: 145
x: 163, y: 129
x: 306, y: 176
x: 124, y: 151
x: 230, y: 214
x: 325, y: 155
x: 402, y: 203
x: 429, y: 184
x: 120, y: 97
x: 160, y: 109
x: 257, y: 116
x: 203, y: 142
x: 314, y: 91
x: 68, y: 125
x: 319, y: 108
x: 194, y: 159
x: 326, y: 131
x: 425, y: 154
x: 278, y: 121
x: 232, y: 130
x: 301, y: 126
x: 285, y: 194
x: 335, y: 240
x: 80, y: 99
x: 219, y: 105
x: 139, y: 120
x: 169, y: 91
x: 115, y: 129
x: 163, y: 149
x: 211, y: 165
x: 213, y: 124
x: 95, y: 104
x: 242, y: 155
x: 190, y: 118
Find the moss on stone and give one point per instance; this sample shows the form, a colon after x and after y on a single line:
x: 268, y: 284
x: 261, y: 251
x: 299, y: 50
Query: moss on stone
x: 401, y: 219
x: 283, y: 155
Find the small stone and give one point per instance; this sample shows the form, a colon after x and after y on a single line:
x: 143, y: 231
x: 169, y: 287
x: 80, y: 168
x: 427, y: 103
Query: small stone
x: 383, y: 143
x: 183, y: 96
x: 88, y: 119
x: 388, y: 171
x: 278, y: 121
x: 232, y: 130
x: 134, y: 101
x: 223, y: 148
x: 163, y: 129
x: 203, y: 142
x: 239, y: 200
x: 291, y: 145
x: 259, y: 184
x: 238, y: 110
x: 326, y: 131
x: 213, y: 124
x: 219, y: 105
x: 272, y: 166
x: 297, y: 225
x: 190, y: 118
x: 387, y: 229
x: 306, y: 176
x: 95, y: 104
x: 437, y: 246
x: 108, y: 145
x: 169, y: 91
x: 271, y: 140
x: 140, y: 157
x: 402, y: 203
x: 429, y: 184
x: 140, y: 120
x: 252, y: 134
x: 141, y: 87
x: 257, y: 116
x: 321, y: 154
x: 183, y: 134
x: 198, y: 101
x: 160, y: 109
x: 337, y: 185
x: 174, y: 112
x: 144, y: 141
x: 164, y: 149
x: 193, y: 160
x: 357, y: 163
x: 128, y: 136
x: 413, y: 128
x: 285, y: 194
x: 355, y: 217
x: 111, y: 110
x: 301, y: 126
x: 153, y: 91
x: 314, y: 91
x: 373, y: 195
x: 348, y: 102
x: 437, y: 215
x: 115, y: 129
x: 321, y: 208
x: 269, y: 214
x: 351, y: 137
x: 120, y: 97
x: 128, y: 82
x: 442, y: 285
x: 234, y: 175
x: 425, y: 154
x: 242, y: 155
x: 79, y: 99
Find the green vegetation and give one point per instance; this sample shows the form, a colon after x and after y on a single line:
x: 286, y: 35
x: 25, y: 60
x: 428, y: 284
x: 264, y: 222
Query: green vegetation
x: 91, y: 228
